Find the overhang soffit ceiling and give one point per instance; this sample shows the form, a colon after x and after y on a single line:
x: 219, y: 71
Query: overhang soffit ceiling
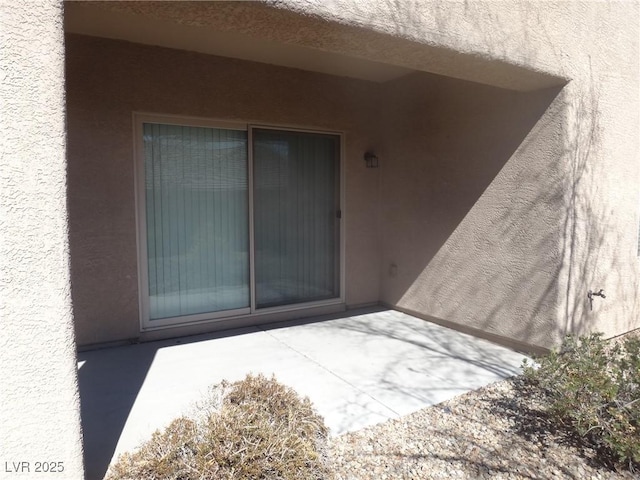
x: 257, y: 32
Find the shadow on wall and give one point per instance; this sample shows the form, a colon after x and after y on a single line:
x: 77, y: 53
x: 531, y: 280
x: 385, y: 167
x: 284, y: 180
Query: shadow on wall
x: 497, y: 210
x: 470, y: 222
x: 595, y: 247
x: 491, y: 215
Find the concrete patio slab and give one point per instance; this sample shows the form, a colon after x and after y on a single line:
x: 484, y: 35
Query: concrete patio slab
x: 359, y: 369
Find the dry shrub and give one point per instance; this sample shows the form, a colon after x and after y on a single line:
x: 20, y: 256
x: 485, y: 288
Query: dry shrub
x: 592, y: 388
x: 252, y: 429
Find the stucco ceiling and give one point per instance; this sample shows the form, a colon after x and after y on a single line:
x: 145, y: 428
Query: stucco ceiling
x: 92, y: 19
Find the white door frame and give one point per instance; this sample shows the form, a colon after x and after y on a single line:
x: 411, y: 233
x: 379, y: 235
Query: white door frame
x: 252, y: 311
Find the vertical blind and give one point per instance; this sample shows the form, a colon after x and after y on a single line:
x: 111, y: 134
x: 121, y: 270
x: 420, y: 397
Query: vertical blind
x: 296, y: 229
x: 197, y: 218
x: 196, y: 190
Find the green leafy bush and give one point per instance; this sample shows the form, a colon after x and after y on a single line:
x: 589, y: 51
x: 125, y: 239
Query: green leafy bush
x: 252, y: 429
x: 593, y: 390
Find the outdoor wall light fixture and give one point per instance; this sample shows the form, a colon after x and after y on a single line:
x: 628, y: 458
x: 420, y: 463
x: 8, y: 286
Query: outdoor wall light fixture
x: 371, y: 160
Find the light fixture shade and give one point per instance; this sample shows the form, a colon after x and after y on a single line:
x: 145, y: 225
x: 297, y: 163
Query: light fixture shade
x: 371, y: 160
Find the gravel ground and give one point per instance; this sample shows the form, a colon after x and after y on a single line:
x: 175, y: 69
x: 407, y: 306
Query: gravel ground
x: 488, y: 433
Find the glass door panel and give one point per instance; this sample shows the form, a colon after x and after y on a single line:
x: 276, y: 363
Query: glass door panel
x: 196, y: 196
x: 296, y: 225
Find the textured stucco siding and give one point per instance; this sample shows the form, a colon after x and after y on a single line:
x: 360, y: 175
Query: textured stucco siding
x: 561, y: 216
x: 408, y: 34
x: 460, y: 197
x: 102, y: 95
x: 509, y: 183
x: 39, y: 414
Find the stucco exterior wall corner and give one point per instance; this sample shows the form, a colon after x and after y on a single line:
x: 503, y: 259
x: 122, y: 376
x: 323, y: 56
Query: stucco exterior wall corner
x: 547, y: 122
x: 601, y: 159
x: 40, y: 414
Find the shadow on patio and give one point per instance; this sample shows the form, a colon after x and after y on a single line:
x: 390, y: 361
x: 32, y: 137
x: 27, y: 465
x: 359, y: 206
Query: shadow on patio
x: 359, y: 368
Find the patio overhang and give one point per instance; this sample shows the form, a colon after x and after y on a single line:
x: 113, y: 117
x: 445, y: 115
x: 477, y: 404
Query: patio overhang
x: 443, y: 122
x: 259, y: 32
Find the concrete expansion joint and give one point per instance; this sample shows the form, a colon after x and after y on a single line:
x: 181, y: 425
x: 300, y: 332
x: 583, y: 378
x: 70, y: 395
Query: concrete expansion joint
x: 330, y: 372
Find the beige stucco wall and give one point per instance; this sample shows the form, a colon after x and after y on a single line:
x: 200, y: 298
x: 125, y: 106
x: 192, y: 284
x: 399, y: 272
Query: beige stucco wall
x: 533, y: 223
x: 499, y: 210
x: 101, y: 97
x: 39, y: 418
x: 561, y: 216
x: 460, y: 200
x: 411, y: 35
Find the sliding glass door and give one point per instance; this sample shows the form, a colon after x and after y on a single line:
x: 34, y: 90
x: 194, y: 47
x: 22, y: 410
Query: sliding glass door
x: 196, y: 191
x: 207, y: 251
x: 296, y: 210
